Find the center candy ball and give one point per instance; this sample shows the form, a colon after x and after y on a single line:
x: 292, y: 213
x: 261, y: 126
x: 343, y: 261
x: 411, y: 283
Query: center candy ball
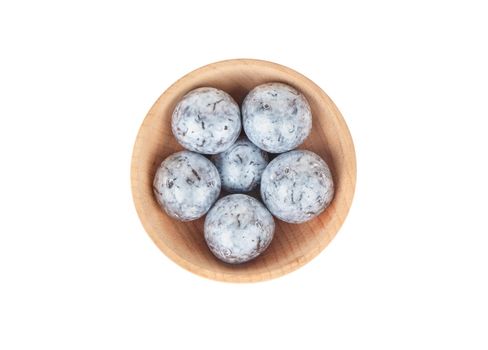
x: 241, y: 166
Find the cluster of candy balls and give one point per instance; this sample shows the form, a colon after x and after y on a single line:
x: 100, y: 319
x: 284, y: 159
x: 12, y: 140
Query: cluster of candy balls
x: 295, y: 186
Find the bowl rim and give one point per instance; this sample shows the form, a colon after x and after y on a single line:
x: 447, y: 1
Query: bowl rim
x: 253, y: 276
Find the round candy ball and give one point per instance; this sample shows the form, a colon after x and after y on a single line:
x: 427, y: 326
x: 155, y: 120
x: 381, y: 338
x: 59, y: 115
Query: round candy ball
x: 186, y: 185
x: 206, y: 120
x: 297, y: 186
x: 241, y: 166
x: 276, y: 117
x: 238, y: 228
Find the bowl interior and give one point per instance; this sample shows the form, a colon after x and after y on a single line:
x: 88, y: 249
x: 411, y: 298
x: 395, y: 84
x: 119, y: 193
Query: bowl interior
x: 293, y: 245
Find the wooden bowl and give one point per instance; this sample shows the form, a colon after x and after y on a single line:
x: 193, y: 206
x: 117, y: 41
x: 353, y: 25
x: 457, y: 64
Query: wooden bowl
x: 293, y: 245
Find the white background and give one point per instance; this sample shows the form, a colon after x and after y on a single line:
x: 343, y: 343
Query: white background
x: 408, y: 270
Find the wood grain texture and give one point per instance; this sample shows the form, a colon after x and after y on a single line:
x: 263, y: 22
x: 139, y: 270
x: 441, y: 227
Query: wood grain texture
x: 293, y: 245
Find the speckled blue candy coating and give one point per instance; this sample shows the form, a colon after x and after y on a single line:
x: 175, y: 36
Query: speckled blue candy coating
x: 241, y: 166
x: 297, y: 186
x: 186, y: 185
x: 238, y: 228
x: 206, y: 120
x: 276, y: 117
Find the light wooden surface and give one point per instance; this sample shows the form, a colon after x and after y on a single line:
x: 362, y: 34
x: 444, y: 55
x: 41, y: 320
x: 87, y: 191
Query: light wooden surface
x: 293, y: 245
